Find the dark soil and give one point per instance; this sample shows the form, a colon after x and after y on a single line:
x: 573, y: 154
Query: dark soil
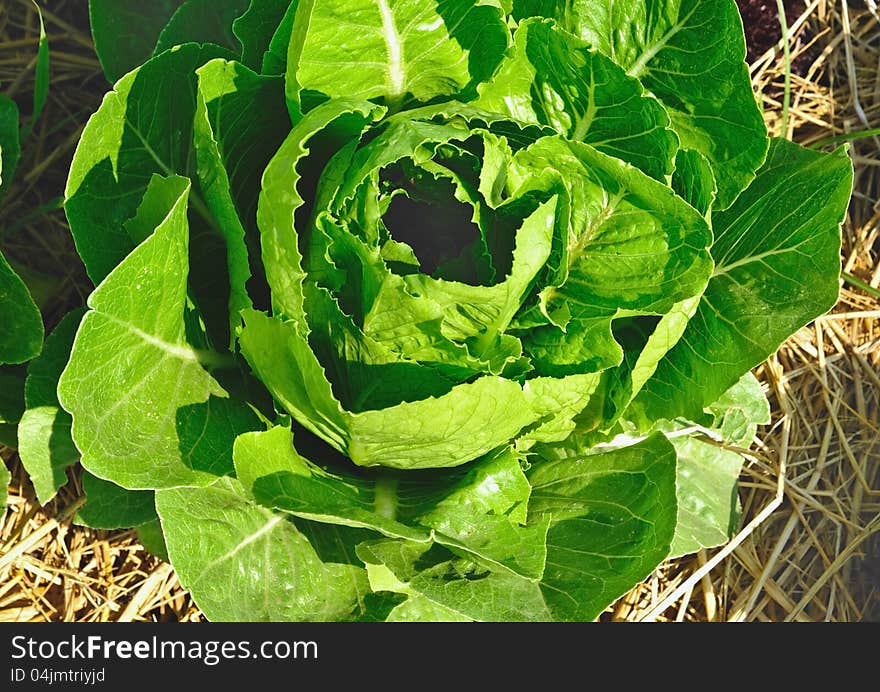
x: 762, y: 28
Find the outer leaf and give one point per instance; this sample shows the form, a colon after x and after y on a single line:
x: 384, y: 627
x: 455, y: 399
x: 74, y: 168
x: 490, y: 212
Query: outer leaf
x: 740, y: 410
x: 12, y: 379
x: 553, y: 78
x: 125, y: 31
x: 203, y: 21
x: 420, y: 609
x: 44, y: 442
x: 152, y: 416
x: 706, y: 490
x: 221, y: 543
x: 46, y: 449
x: 663, y: 43
x: 459, y: 589
x: 151, y: 538
x: 238, y: 128
x: 777, y: 255
x: 481, y: 513
x: 21, y: 325
x: 275, y: 59
x: 256, y: 27
x: 269, y: 467
x: 43, y: 373
x: 707, y: 473
x: 403, y: 50
x: 143, y: 127
x: 110, y: 507
x: 613, y: 516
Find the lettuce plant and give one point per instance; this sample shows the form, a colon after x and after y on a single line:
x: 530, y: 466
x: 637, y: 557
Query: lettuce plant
x: 432, y: 309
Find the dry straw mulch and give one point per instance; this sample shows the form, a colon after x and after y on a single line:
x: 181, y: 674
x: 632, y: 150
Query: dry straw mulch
x: 809, y: 549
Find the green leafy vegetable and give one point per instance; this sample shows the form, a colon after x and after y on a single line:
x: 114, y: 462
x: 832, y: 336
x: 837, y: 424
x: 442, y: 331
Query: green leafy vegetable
x: 433, y: 310
x: 44, y: 441
x: 21, y: 326
x: 110, y: 507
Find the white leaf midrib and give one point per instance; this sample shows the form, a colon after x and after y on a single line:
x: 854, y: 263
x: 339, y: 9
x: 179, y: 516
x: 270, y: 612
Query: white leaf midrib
x: 396, y: 69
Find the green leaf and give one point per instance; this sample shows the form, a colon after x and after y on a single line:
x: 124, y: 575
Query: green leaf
x: 256, y: 28
x: 10, y: 142
x: 143, y: 128
x: 420, y: 609
x: 399, y: 52
x: 8, y: 434
x: 613, y: 516
x: 485, y: 515
x: 46, y: 449
x: 110, y: 507
x: 45, y: 446
x: 703, y: 84
x: 326, y: 129
x: 477, y: 416
x: 645, y: 342
x: 41, y: 77
x: 561, y: 400
x: 203, y: 21
x: 275, y: 58
x: 740, y: 410
x: 263, y: 453
x: 485, y: 312
x: 21, y: 325
x: 151, y: 538
x: 482, y: 513
x: 44, y: 372
x: 458, y: 588
x: 269, y: 467
x: 12, y: 379
x: 706, y: 490
x: 238, y: 129
x: 125, y: 31
x: 707, y: 473
x: 631, y: 248
x: 5, y: 478
x: 220, y: 543
x: 777, y: 256
x: 694, y: 181
x: 153, y: 416
x: 553, y: 78
x: 161, y: 195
